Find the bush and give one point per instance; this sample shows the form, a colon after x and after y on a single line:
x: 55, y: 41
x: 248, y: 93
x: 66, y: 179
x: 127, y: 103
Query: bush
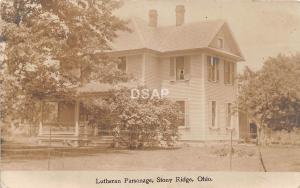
x: 138, y: 122
x: 147, y: 122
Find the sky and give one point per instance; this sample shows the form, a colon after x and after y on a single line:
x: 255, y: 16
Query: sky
x: 262, y: 28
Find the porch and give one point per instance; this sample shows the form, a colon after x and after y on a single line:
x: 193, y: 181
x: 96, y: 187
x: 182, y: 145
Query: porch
x: 67, y: 124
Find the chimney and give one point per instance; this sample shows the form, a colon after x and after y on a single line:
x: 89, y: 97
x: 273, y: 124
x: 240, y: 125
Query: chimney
x: 153, y: 18
x: 179, y: 15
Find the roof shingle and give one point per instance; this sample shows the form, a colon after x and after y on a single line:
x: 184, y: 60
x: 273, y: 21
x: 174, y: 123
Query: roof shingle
x: 166, y: 38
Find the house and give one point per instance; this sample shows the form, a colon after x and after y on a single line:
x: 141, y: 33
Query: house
x: 196, y: 62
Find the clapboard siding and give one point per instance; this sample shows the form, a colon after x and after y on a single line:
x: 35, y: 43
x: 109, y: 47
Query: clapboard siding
x: 134, y: 65
x: 222, y: 94
x: 228, y: 41
x: 192, y: 91
x: 152, y: 71
x: 197, y: 91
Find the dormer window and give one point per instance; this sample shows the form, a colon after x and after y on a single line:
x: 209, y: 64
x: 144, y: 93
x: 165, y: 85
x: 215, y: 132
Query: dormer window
x: 122, y: 64
x: 220, y: 43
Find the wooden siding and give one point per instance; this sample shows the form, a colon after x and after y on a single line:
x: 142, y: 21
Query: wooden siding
x: 190, y: 91
x: 134, y: 66
x: 152, y: 71
x: 228, y: 41
x: 222, y: 94
x: 197, y: 91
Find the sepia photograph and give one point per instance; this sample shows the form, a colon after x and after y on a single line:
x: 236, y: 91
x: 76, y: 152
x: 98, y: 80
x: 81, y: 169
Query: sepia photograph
x: 150, y: 85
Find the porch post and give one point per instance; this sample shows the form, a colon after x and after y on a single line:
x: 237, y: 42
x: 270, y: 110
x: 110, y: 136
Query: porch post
x: 41, y: 119
x: 76, y: 118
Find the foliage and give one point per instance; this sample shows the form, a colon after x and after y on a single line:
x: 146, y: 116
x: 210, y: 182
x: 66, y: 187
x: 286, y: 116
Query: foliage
x: 53, y: 46
x: 141, y: 122
x: 271, y: 96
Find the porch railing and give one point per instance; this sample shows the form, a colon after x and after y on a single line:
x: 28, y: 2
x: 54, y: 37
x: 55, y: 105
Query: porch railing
x: 67, y: 128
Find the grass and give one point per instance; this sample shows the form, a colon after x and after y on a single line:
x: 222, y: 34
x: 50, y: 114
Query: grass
x: 202, y: 157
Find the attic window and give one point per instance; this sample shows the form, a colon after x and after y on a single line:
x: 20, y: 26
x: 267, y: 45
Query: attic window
x: 220, y: 43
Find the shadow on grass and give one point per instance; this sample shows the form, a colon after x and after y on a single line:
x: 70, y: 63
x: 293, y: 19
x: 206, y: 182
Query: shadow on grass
x: 19, y: 153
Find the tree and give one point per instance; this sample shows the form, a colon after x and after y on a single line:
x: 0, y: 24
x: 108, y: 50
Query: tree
x: 271, y: 95
x: 45, y: 39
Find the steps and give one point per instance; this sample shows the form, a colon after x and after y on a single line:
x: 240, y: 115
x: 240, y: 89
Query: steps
x: 70, y: 140
x: 101, y: 141
x: 62, y: 140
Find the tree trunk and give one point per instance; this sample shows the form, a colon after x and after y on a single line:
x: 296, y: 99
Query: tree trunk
x: 259, y: 141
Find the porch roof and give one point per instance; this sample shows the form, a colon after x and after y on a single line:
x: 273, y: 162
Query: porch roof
x: 97, y: 87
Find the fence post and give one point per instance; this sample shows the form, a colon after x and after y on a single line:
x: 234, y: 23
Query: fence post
x: 49, y: 148
x: 231, y: 149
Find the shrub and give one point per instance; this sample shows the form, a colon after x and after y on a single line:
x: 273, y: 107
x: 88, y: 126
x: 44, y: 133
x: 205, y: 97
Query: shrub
x: 145, y: 122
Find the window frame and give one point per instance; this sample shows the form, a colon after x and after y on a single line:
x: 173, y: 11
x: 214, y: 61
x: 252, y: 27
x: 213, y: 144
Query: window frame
x: 125, y: 61
x: 184, y: 71
x: 228, y: 114
x: 229, y: 72
x: 214, y: 115
x: 220, y: 45
x: 186, y: 112
x: 213, y: 72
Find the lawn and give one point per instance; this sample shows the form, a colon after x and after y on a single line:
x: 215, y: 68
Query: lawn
x: 199, y: 157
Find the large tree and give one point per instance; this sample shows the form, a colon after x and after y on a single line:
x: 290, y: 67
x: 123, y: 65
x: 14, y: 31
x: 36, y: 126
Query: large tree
x: 271, y: 96
x: 45, y: 40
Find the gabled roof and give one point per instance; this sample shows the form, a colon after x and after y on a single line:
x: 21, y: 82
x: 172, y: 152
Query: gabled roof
x: 167, y: 38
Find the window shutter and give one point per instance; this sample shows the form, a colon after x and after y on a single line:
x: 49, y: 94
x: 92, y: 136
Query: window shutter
x: 209, y: 68
x: 217, y: 66
x: 226, y: 73
x: 187, y: 67
x: 187, y: 122
x: 217, y: 115
x: 209, y: 115
x: 172, y: 68
x: 232, y: 73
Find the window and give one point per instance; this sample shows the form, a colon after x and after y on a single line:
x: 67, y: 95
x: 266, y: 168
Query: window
x: 228, y: 107
x: 213, y: 68
x: 213, y: 113
x: 183, y: 108
x: 220, y: 43
x: 180, y: 67
x: 122, y: 64
x: 228, y: 72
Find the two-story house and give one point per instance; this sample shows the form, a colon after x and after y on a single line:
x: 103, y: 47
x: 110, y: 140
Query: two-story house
x: 196, y: 62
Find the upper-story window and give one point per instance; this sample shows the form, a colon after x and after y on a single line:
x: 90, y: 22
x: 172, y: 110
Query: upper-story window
x: 213, y: 68
x: 122, y: 64
x: 180, y: 67
x: 220, y: 43
x: 228, y: 72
